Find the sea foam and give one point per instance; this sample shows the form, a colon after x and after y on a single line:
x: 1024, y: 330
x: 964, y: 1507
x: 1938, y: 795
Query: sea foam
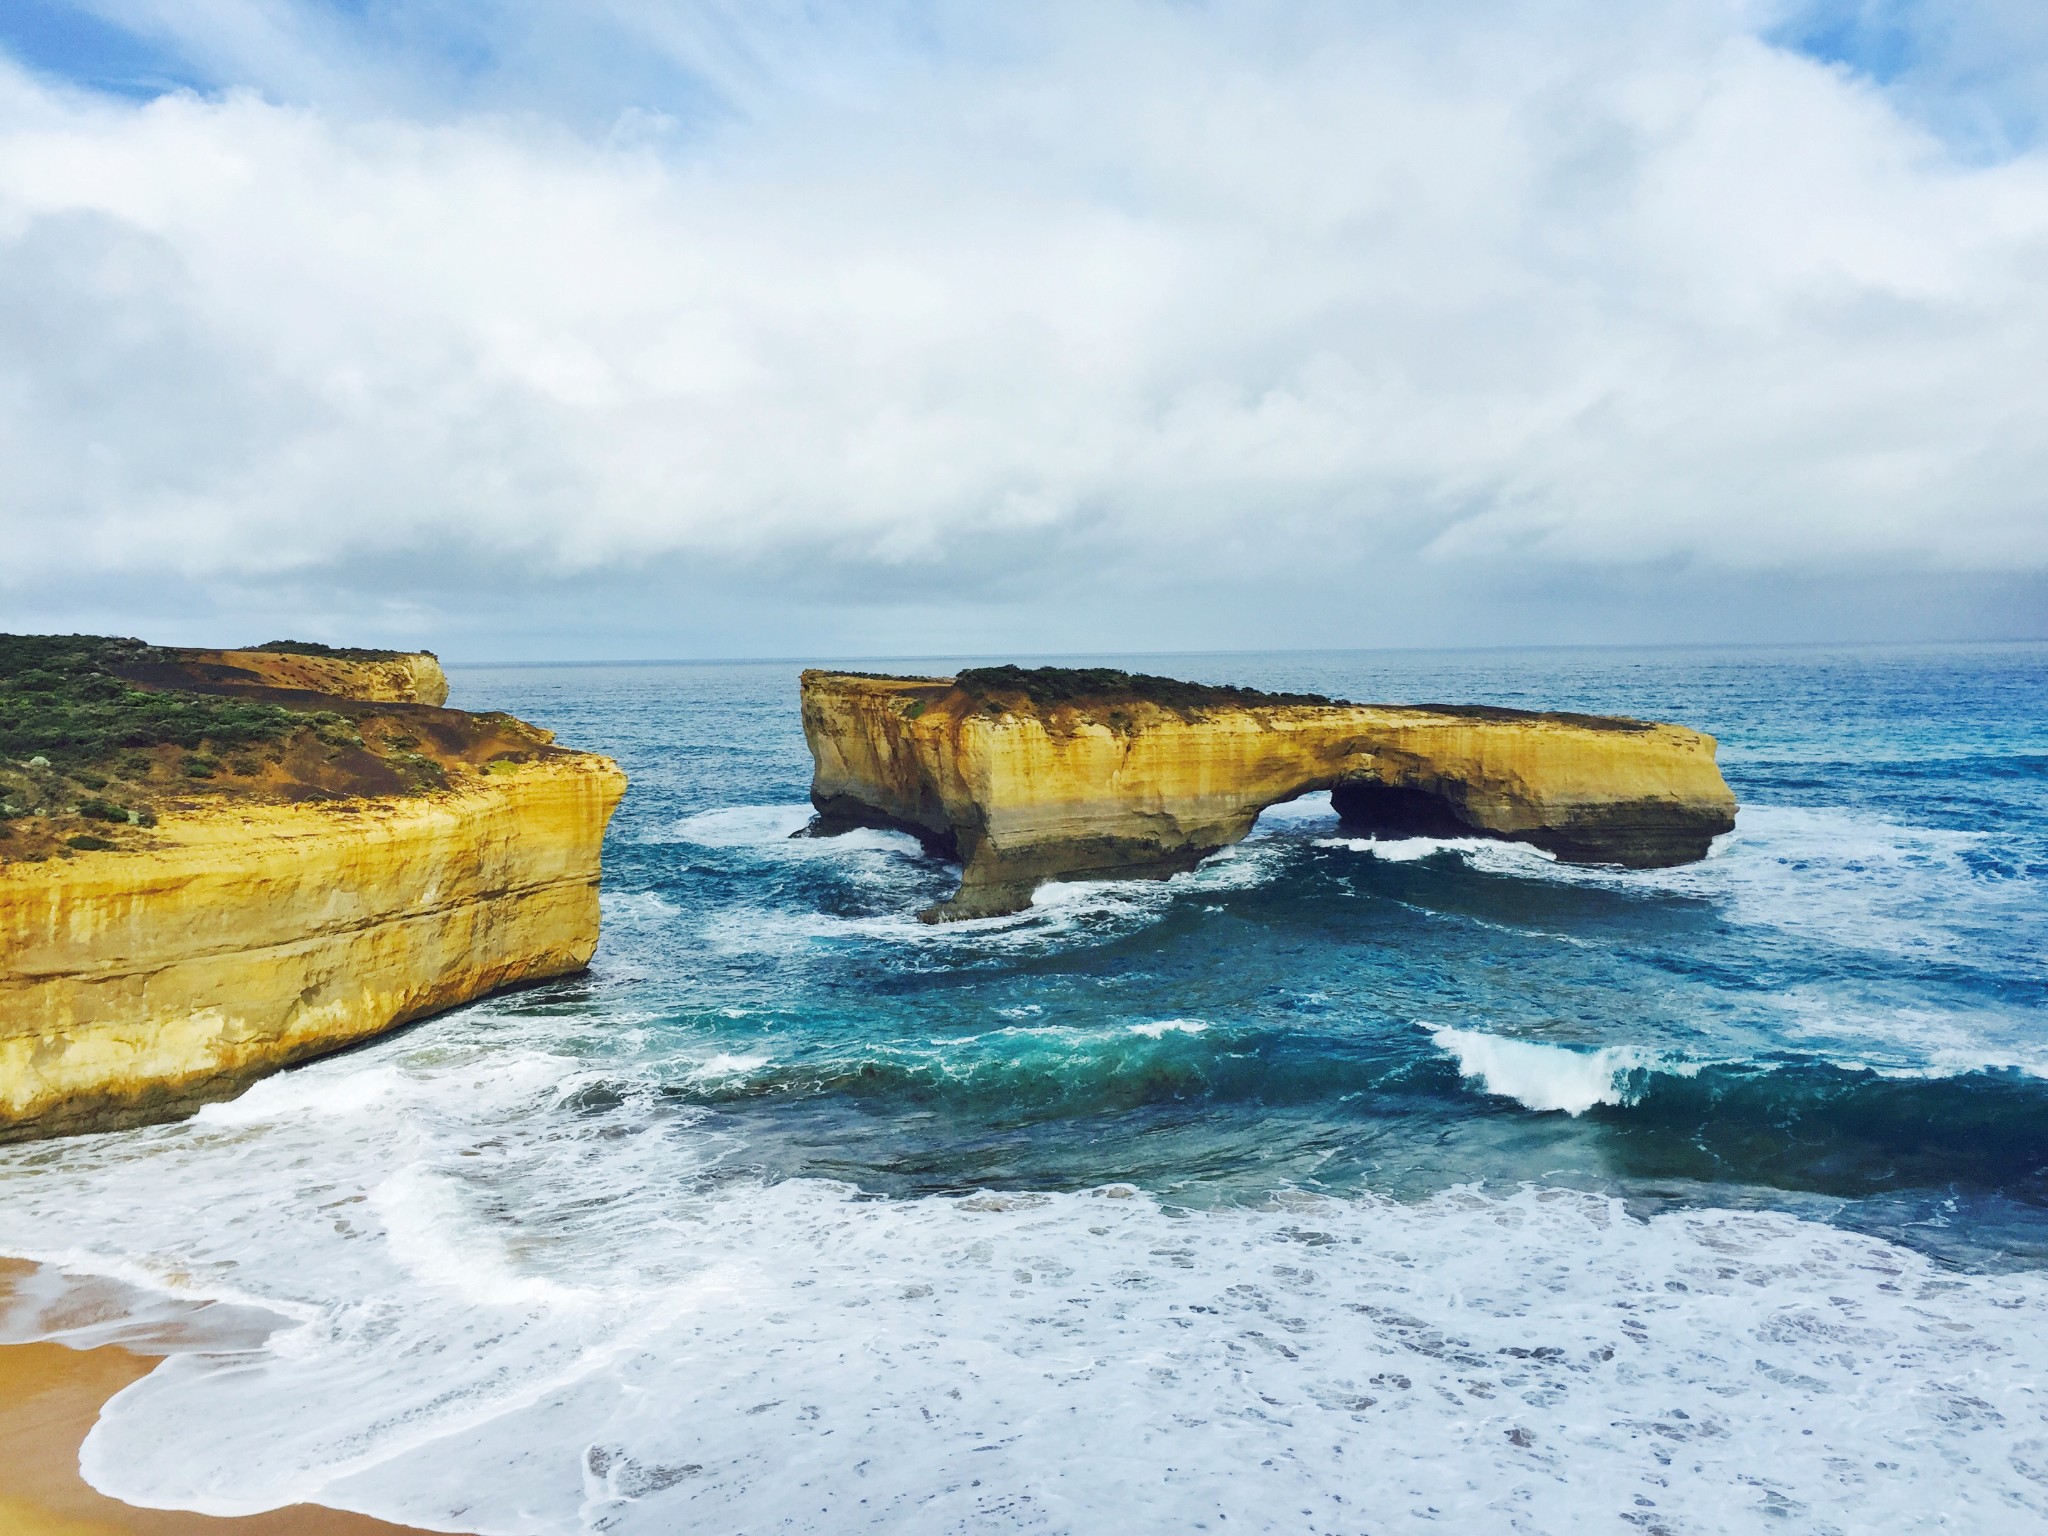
x: 502, y: 1307
x: 1547, y: 1077
x: 1160, y: 1029
x: 793, y: 1357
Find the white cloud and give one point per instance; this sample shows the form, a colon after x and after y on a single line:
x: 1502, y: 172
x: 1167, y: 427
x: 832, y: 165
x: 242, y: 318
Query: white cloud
x: 1201, y: 292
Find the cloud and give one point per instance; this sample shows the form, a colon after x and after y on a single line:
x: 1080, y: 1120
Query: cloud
x: 1151, y: 297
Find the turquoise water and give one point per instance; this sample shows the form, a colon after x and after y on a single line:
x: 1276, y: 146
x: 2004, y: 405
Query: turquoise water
x: 1304, y: 1191
x: 1846, y: 1017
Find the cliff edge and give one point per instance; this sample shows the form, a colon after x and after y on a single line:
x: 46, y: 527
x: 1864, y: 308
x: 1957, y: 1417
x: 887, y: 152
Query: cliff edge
x: 216, y: 863
x: 378, y: 677
x: 1057, y: 773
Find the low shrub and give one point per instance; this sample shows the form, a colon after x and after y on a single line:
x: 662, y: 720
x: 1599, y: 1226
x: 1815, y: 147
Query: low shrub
x: 1046, y: 686
x: 335, y: 730
x: 62, y: 698
x: 338, y: 652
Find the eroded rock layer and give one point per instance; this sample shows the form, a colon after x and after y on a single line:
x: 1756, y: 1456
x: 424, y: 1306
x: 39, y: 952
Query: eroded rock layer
x: 378, y: 677
x: 1027, y: 777
x: 181, y: 915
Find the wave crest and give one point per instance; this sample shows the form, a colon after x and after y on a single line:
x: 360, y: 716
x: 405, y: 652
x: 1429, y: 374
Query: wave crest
x: 1549, y: 1078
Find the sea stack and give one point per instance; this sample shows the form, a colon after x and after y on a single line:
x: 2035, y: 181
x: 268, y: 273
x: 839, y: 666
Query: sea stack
x: 1056, y: 773
x: 217, y: 863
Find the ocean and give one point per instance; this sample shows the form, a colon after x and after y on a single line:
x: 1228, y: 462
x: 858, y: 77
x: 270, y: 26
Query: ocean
x: 1339, y: 1185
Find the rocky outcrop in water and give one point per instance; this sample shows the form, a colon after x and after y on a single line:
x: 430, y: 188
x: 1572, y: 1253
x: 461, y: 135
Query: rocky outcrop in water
x: 1061, y: 774
x: 208, y: 870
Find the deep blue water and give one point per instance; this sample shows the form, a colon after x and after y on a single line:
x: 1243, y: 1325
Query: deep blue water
x: 1338, y: 1185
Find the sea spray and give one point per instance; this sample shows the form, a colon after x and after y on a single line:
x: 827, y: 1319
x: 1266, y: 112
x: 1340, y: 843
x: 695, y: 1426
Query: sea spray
x: 1546, y: 1077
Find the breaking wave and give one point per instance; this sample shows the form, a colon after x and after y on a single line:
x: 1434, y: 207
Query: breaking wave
x: 790, y: 1355
x: 1553, y: 1077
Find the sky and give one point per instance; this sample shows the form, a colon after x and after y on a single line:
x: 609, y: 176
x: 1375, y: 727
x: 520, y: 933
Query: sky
x: 597, y: 330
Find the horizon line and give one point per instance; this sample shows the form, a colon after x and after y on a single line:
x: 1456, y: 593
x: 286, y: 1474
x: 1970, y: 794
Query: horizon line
x: 816, y: 659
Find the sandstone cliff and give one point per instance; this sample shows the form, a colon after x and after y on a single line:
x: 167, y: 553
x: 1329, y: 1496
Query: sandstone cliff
x: 378, y: 677
x: 1026, y: 777
x: 279, y: 873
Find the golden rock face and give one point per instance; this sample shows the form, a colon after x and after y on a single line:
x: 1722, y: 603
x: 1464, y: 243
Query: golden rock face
x: 138, y: 985
x: 1105, y: 786
x: 344, y: 880
x: 413, y: 677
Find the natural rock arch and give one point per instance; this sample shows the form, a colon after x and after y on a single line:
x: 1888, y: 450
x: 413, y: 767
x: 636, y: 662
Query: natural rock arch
x: 1028, y: 777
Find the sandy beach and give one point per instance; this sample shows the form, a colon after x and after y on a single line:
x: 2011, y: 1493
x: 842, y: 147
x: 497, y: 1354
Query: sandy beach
x: 49, y: 1398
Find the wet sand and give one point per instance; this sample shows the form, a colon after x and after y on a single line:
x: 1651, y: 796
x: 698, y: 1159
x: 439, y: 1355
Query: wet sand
x: 50, y: 1397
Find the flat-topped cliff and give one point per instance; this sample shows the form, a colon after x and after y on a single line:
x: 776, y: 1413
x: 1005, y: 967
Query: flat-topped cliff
x: 379, y: 677
x: 216, y: 863
x: 1028, y: 776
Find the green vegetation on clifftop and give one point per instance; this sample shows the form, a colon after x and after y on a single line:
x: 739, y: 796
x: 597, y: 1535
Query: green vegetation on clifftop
x: 62, y: 697
x: 338, y: 652
x: 102, y: 738
x: 1050, y: 686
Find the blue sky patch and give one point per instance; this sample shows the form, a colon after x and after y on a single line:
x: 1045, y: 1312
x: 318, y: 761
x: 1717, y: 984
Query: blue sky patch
x: 75, y: 45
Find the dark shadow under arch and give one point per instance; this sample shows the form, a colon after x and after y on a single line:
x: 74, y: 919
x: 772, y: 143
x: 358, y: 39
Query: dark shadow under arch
x: 1400, y: 809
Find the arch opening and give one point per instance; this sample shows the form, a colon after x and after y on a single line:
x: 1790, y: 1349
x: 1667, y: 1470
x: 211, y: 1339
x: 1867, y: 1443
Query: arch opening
x: 1310, y: 804
x: 1399, y: 810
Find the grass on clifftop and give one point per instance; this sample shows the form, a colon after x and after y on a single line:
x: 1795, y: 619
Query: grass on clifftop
x: 1051, y: 686
x: 61, y: 698
x: 338, y: 652
x: 101, y: 737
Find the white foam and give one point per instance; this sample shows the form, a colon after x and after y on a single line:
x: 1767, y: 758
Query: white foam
x: 726, y: 1065
x: 306, y: 1093
x: 739, y: 826
x: 520, y: 1311
x: 894, y: 867
x: 1242, y: 867
x: 868, y: 856
x: 793, y: 1357
x: 513, y: 1316
x: 1551, y: 1077
x: 1843, y: 876
x: 1840, y: 876
x: 1856, y: 881
x: 434, y: 1237
x: 1165, y: 1027
x: 1906, y: 1041
x: 770, y: 830
x: 1508, y: 858
x: 637, y: 907
x: 1062, y: 912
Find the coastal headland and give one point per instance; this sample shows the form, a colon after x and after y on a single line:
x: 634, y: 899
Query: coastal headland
x: 214, y: 864
x: 1030, y: 775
